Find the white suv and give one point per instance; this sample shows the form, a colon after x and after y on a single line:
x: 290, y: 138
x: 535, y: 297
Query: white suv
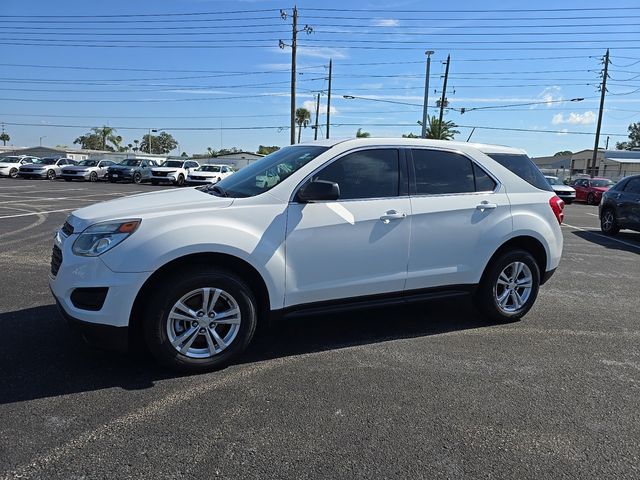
x: 352, y: 223
x: 173, y: 171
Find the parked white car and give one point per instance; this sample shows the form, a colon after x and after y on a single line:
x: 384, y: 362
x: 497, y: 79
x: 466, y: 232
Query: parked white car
x: 91, y: 170
x: 361, y: 222
x: 9, y: 166
x: 566, y: 192
x: 207, y: 174
x: 48, y: 167
x: 173, y: 171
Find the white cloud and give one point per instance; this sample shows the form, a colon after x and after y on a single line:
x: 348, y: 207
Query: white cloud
x: 385, y: 22
x: 311, y: 106
x: 550, y: 94
x: 585, y: 118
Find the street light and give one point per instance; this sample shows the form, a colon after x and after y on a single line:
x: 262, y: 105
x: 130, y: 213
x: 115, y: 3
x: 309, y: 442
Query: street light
x: 154, y: 131
x: 428, y: 53
x: 44, y: 136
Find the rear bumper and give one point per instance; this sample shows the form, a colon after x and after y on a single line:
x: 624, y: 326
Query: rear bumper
x: 103, y: 336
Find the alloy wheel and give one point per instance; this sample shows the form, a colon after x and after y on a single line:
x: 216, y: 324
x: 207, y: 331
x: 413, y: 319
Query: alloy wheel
x: 513, y: 287
x: 203, y: 323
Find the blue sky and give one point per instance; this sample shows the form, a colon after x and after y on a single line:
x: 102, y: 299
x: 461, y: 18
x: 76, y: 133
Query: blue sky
x: 215, y: 69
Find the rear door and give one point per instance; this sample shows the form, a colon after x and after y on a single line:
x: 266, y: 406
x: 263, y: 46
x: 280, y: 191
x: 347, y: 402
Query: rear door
x: 629, y: 204
x: 460, y: 214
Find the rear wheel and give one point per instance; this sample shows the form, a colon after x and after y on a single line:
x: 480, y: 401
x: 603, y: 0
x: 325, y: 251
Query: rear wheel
x: 509, y: 286
x: 608, y: 222
x: 201, y: 322
x: 93, y: 177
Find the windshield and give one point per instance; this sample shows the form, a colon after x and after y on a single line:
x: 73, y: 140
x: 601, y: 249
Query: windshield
x: 10, y: 159
x: 130, y: 163
x: 47, y: 161
x: 88, y: 163
x: 267, y: 172
x: 601, y: 183
x: 553, y: 181
x: 209, y: 168
x: 173, y: 164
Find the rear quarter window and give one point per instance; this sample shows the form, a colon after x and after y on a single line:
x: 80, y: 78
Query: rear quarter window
x: 523, y: 167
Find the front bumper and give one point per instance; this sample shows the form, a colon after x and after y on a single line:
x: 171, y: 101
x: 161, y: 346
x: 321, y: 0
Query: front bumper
x: 76, y: 176
x: 102, y: 336
x: 4, y: 172
x: 91, y: 272
x: 117, y: 176
x: 191, y: 181
x: 37, y: 174
x: 167, y: 179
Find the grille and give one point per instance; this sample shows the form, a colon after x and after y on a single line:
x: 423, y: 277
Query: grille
x: 67, y: 228
x: 160, y: 174
x: 56, y: 260
x: 197, y: 178
x: 27, y: 169
x: 68, y: 172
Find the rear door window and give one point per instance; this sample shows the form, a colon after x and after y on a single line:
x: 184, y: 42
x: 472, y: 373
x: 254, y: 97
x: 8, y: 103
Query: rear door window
x: 523, y: 167
x: 633, y: 186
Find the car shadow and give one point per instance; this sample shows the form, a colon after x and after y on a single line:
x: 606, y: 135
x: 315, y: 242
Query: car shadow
x: 41, y: 357
x: 599, y: 238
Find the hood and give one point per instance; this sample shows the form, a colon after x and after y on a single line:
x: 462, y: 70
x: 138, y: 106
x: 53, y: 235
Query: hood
x: 204, y: 174
x: 121, y: 167
x: 563, y: 188
x: 12, y: 165
x: 36, y: 165
x: 600, y: 189
x: 164, y: 169
x: 77, y: 168
x: 147, y: 205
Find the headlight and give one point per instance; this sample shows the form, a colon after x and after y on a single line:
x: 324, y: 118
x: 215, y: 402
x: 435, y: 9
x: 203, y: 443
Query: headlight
x: 102, y: 237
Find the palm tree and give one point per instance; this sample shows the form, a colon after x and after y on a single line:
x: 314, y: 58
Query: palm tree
x: 107, y: 135
x: 303, y: 117
x: 136, y: 148
x: 129, y: 146
x: 362, y: 134
x: 4, y: 136
x: 446, y: 131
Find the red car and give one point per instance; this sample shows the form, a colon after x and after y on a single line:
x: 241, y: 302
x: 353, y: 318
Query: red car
x: 590, y: 190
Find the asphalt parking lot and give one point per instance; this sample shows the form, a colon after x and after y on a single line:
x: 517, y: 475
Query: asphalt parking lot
x: 430, y: 391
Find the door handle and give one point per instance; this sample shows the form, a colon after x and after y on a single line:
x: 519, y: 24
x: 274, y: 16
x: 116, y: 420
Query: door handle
x: 392, y: 215
x: 484, y: 205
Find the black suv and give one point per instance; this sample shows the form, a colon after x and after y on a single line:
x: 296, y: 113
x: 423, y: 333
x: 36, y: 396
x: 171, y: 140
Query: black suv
x: 620, y: 206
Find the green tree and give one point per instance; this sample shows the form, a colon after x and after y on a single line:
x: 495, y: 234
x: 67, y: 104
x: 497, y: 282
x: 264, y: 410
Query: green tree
x: 303, y: 118
x: 446, y: 131
x: 136, y: 147
x: 4, y: 136
x: 563, y: 153
x: 634, y: 138
x: 410, y: 135
x: 103, y: 138
x: 185, y: 155
x: 362, y: 134
x: 266, y: 150
x: 160, y: 144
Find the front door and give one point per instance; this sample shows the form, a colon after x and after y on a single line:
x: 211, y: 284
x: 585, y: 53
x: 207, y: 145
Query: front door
x: 629, y: 204
x: 459, y: 215
x: 357, y: 245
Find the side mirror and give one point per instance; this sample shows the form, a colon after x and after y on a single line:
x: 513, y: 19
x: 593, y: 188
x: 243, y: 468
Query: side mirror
x: 318, y: 190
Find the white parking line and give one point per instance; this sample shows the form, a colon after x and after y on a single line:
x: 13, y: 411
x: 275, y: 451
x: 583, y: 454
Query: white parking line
x: 599, y: 234
x: 37, y: 213
x: 592, y: 214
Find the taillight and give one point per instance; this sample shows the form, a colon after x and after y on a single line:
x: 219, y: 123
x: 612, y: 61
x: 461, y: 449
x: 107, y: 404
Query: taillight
x: 557, y: 205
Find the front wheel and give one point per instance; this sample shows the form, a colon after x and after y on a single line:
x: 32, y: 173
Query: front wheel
x: 180, y: 180
x: 608, y: 222
x: 201, y: 322
x: 51, y: 175
x: 591, y: 199
x: 67, y: 179
x: 13, y: 173
x: 137, y: 177
x: 93, y: 177
x: 509, y: 286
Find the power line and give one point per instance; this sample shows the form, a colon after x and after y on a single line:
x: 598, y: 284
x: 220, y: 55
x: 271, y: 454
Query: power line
x: 129, y: 15
x: 454, y: 19
x: 506, y: 10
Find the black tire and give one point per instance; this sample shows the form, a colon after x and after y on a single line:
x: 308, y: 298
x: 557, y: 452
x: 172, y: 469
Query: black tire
x: 67, y: 179
x: 591, y: 199
x: 13, y: 173
x: 485, y: 296
x: 93, y: 177
x: 609, y: 225
x: 112, y: 180
x: 154, y: 182
x: 51, y: 175
x: 164, y: 298
x: 568, y: 202
x: 137, y: 177
x: 180, y: 180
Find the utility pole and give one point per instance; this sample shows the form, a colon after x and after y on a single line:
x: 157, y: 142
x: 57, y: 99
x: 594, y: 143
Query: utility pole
x: 428, y: 53
x: 294, y: 46
x: 603, y: 90
x: 329, y: 98
x: 315, y: 128
x: 442, y: 100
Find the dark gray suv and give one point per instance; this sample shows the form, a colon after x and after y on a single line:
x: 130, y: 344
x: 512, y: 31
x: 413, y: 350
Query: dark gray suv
x: 620, y: 206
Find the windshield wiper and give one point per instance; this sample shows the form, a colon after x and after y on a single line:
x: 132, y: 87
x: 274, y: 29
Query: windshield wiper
x: 221, y: 192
